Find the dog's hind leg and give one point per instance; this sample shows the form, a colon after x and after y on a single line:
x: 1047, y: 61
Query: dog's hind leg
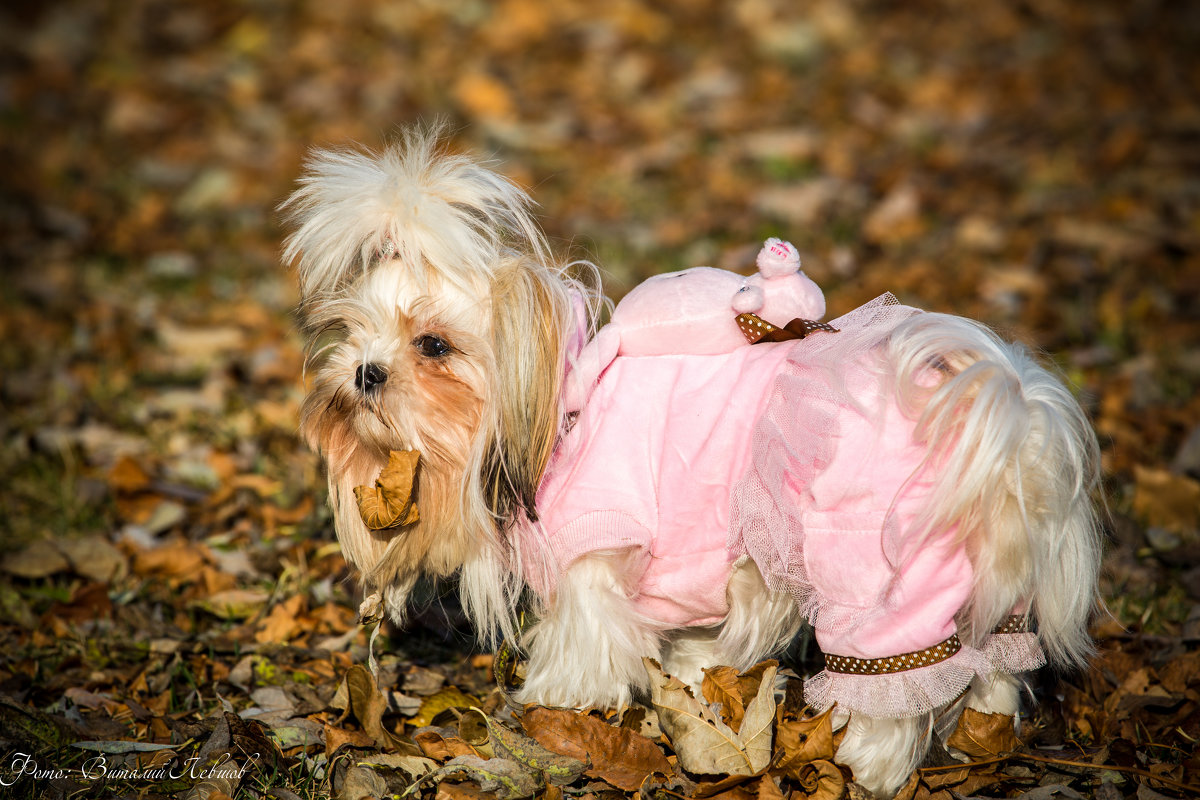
x: 688, y: 651
x: 996, y: 693
x: 882, y: 753
x: 587, y: 647
x: 761, y: 623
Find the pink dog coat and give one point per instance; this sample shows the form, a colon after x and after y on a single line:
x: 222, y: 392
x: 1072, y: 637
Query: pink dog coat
x: 795, y: 455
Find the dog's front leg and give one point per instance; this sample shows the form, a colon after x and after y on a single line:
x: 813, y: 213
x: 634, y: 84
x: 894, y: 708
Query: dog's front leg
x: 587, y: 648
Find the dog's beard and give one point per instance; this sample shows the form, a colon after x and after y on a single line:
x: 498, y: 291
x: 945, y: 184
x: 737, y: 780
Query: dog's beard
x: 433, y: 405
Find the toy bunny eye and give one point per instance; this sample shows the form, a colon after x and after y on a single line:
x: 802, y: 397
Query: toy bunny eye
x: 431, y: 346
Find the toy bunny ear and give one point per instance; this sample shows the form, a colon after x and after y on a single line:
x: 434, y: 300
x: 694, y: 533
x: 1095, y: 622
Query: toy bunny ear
x: 778, y: 259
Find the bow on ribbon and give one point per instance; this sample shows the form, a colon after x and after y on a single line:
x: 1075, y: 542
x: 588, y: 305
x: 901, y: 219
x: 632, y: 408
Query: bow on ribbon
x: 757, y: 330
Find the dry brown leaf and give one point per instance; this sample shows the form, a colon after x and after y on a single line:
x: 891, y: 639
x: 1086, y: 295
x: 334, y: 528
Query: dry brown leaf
x: 732, y: 690
x: 963, y: 782
x: 800, y: 741
x: 726, y: 791
x: 178, y: 558
x: 233, y: 603
x: 619, y: 756
x: 909, y: 790
x: 981, y: 735
x: 703, y: 743
x: 368, y: 704
x: 468, y: 791
x: 506, y: 743
x: 897, y: 216
x: 720, y: 686
x: 768, y: 789
x: 283, y: 622
x: 128, y: 476
x: 39, y: 560
x: 820, y: 780
x: 390, y: 502
x: 89, y: 601
x: 336, y: 737
x: 1167, y: 500
x: 442, y: 748
x: 1181, y: 672
x: 439, y: 701
x: 482, y: 95
x: 95, y: 558
x: 361, y: 782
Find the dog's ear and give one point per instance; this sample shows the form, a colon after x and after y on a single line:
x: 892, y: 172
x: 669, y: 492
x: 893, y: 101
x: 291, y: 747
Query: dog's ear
x: 531, y: 316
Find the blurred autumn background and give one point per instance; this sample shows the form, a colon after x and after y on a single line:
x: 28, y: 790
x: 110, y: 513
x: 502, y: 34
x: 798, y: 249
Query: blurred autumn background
x: 170, y: 586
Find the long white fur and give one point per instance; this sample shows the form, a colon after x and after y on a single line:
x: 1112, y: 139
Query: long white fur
x: 1015, y: 450
x: 1018, y: 462
x: 445, y: 213
x: 587, y: 647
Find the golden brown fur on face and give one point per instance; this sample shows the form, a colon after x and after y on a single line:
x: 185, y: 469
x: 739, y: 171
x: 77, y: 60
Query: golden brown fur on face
x: 427, y: 403
x: 414, y: 242
x: 485, y: 425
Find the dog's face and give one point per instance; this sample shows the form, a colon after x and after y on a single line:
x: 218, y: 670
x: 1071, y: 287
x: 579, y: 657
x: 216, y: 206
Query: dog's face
x: 436, y: 325
x: 407, y: 369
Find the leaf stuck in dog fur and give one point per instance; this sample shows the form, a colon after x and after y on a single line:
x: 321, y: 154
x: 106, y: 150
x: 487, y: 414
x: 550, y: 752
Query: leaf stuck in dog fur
x: 390, y: 502
x: 703, y: 743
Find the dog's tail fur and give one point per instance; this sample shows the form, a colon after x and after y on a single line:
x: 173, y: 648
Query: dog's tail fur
x: 1018, y: 462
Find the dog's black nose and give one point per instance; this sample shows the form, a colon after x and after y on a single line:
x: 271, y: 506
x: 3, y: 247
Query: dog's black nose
x: 368, y: 376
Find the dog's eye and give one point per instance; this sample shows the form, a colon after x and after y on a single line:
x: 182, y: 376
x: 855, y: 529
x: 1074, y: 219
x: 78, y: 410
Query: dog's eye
x: 431, y: 346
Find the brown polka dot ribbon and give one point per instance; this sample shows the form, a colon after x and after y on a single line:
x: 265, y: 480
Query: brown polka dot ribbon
x: 756, y: 329
x: 847, y: 665
x: 885, y: 666
x: 1017, y: 623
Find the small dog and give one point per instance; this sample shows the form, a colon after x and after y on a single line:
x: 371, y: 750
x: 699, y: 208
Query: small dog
x: 914, y: 487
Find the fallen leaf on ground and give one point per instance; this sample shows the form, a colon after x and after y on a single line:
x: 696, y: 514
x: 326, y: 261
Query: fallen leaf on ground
x: 439, y: 701
x: 506, y: 779
x: 561, y: 770
x: 981, y: 735
x: 733, y: 690
x: 705, y: 744
x: 37, y: 560
x: 620, y: 756
x: 283, y: 622
x: 368, y: 705
x: 800, y: 741
x: 1167, y: 500
x: 233, y: 603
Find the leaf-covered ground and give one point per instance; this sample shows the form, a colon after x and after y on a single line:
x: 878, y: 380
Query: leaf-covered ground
x: 175, y: 617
